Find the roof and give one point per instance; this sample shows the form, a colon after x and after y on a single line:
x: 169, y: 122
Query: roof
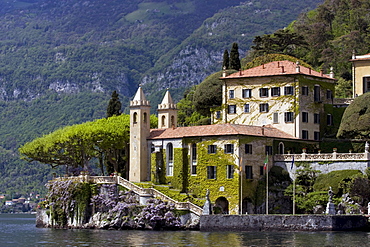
x: 278, y: 68
x: 361, y: 58
x: 218, y: 130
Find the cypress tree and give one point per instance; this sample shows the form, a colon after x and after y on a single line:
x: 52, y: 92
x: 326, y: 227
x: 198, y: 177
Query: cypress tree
x: 234, y: 57
x: 114, y: 105
x: 226, y: 60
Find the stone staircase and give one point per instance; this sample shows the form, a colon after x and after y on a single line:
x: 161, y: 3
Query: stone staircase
x: 142, y: 192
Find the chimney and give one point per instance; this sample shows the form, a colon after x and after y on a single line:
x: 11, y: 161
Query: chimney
x: 297, y: 68
x: 353, y: 54
x: 278, y: 64
x: 331, y: 72
x: 240, y: 72
x: 224, y: 71
x: 309, y: 71
x: 321, y: 72
x: 282, y: 69
x: 263, y: 66
x: 263, y: 130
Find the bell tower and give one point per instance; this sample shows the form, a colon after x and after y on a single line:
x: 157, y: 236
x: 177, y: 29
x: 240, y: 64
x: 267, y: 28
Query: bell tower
x: 139, y: 132
x: 167, y: 112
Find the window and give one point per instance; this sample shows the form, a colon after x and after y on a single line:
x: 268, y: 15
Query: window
x: 163, y: 121
x: 230, y: 171
x: 246, y: 108
x: 275, y: 91
x: 264, y: 107
x: 232, y: 109
x: 275, y: 117
x: 305, y: 117
x: 316, y: 135
x: 231, y: 94
x: 135, y: 118
x: 247, y: 93
x: 329, y: 120
x: 268, y: 150
x: 305, y: 90
x: 193, y: 159
x: 329, y: 94
x: 211, y: 172
x: 194, y: 152
x: 288, y: 90
x: 169, y: 159
x: 212, y: 149
x: 316, y: 94
x: 261, y: 170
x: 316, y: 118
x: 288, y: 116
x: 264, y: 92
x: 218, y: 114
x: 366, y: 84
x: 248, y: 172
x: 144, y: 117
x: 305, y: 134
x: 229, y: 148
x: 248, y: 148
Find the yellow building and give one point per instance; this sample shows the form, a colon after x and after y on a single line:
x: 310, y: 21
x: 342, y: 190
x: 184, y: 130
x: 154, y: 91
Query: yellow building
x: 281, y: 94
x: 360, y: 74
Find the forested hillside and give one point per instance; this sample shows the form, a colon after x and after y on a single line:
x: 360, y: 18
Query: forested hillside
x: 60, y: 60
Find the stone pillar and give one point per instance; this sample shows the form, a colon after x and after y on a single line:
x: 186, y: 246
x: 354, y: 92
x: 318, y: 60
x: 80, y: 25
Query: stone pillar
x: 330, y: 207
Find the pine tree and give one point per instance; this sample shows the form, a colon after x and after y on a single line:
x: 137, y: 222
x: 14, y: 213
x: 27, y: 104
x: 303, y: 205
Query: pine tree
x: 114, y: 105
x: 234, y: 57
x: 226, y: 60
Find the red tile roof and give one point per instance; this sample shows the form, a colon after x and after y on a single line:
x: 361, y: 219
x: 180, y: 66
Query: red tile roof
x: 277, y: 68
x: 218, y: 130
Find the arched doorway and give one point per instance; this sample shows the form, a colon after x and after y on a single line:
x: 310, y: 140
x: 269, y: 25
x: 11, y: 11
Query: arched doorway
x: 222, y: 204
x: 248, y: 207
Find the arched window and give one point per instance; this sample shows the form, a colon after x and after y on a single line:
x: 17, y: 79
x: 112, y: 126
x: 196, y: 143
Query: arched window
x: 144, y: 117
x: 281, y: 148
x: 172, y: 121
x: 135, y: 118
x: 163, y: 121
x: 169, y: 154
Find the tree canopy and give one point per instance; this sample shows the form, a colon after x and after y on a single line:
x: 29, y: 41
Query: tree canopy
x: 114, y: 105
x: 355, y: 122
x: 75, y: 146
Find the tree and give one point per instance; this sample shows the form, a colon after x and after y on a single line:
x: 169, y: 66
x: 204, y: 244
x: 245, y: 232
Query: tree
x: 234, y: 57
x: 226, y: 60
x: 355, y: 122
x: 208, y: 94
x: 114, y: 105
x: 75, y: 146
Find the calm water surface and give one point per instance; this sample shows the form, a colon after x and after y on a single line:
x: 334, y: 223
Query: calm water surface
x: 20, y: 230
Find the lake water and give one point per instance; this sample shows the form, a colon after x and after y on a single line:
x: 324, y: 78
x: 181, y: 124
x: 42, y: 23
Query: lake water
x: 20, y: 230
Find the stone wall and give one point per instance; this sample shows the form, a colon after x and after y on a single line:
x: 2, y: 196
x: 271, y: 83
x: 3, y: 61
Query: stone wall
x: 329, y: 167
x: 281, y: 222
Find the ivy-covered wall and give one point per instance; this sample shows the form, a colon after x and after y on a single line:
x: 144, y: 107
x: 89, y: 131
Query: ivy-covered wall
x: 221, y: 186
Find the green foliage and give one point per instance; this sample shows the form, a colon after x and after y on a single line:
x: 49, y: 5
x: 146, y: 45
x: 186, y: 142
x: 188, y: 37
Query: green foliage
x: 356, y: 119
x: 337, y: 180
x: 270, y: 58
x: 343, y: 89
x: 114, y: 105
x: 187, y: 114
x: 208, y: 94
x: 226, y: 60
x: 283, y: 41
x: 76, y: 145
x: 234, y: 57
